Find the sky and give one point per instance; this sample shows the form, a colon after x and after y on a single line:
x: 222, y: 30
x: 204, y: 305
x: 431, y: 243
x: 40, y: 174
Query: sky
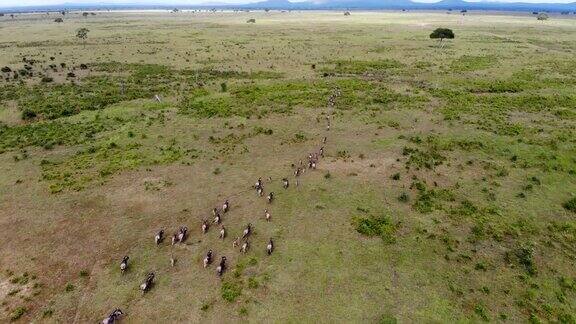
x: 10, y: 3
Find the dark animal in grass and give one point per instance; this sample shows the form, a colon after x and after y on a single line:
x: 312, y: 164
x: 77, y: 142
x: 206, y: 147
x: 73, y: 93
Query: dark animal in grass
x: 258, y: 183
x: 247, y: 231
x: 297, y: 172
x: 226, y: 206
x: 221, y: 267
x: 217, y: 219
x: 245, y: 247
x: 113, y: 317
x: 204, y: 226
x: 222, y: 232
x: 159, y: 237
x: 182, y: 234
x: 208, y: 259
x: 270, y: 247
x: 124, y: 264
x: 235, y: 242
x: 285, y: 183
x: 214, y: 211
x: 174, y: 238
x: 270, y: 197
x: 322, y: 151
x: 147, y: 284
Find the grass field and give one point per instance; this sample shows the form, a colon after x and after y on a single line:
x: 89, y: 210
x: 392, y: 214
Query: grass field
x: 447, y: 192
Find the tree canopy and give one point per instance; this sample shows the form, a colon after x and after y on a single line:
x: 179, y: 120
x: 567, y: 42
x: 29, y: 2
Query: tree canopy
x: 441, y: 33
x: 82, y: 33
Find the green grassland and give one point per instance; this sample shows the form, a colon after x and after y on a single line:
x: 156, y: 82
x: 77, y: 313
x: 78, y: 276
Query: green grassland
x: 447, y: 194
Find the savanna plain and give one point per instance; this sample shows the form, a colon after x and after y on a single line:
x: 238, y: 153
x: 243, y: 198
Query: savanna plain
x: 447, y: 190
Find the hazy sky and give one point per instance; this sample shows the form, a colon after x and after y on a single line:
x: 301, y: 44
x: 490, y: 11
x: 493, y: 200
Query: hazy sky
x: 9, y: 3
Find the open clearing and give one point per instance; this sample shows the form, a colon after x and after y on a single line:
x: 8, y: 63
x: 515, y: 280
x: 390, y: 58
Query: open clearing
x: 447, y: 192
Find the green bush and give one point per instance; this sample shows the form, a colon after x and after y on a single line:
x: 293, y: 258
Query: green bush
x: 376, y: 226
x: 570, y: 205
x: 230, y: 290
x: 17, y: 313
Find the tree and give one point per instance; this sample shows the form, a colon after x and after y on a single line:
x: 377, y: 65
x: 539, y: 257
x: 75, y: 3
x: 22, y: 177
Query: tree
x: 82, y: 34
x: 85, y: 14
x: 542, y: 16
x: 441, y: 33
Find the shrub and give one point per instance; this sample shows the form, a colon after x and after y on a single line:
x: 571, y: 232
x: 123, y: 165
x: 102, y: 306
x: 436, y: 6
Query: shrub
x: 396, y: 176
x: 570, y: 205
x: 403, y: 197
x: 376, y: 226
x: 387, y: 319
x: 17, y: 313
x: 230, y: 291
x: 69, y: 287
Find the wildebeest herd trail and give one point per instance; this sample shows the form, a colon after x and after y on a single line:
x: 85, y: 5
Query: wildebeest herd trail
x: 181, y: 235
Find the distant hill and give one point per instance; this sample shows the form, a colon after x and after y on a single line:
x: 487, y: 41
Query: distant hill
x: 323, y: 5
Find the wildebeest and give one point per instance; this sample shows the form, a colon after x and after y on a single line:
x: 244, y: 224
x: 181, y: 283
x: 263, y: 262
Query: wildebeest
x: 124, y: 264
x: 235, y: 242
x: 285, y: 183
x: 247, y: 231
x: 208, y: 259
x: 258, y: 183
x: 270, y: 197
x: 297, y: 172
x: 222, y: 232
x: 270, y: 247
x: 214, y: 211
x: 245, y: 247
x: 324, y: 140
x: 147, y: 284
x: 221, y: 267
x: 322, y: 151
x: 182, y: 234
x: 217, y: 218
x: 260, y: 191
x: 113, y: 317
x: 267, y: 214
x: 159, y: 237
x: 204, y: 226
x: 226, y: 206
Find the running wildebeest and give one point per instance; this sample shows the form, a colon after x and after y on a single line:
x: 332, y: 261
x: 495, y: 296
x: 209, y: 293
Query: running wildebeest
x: 214, y: 211
x: 270, y: 247
x: 270, y: 197
x: 221, y: 267
x: 217, y: 218
x: 222, y: 232
x: 204, y: 226
x: 322, y: 151
x: 258, y: 183
x: 285, y: 183
x: 113, y: 317
x: 174, y: 238
x: 297, y: 172
x: 247, y: 231
x: 267, y: 214
x: 208, y: 259
x: 324, y: 140
x: 159, y: 237
x: 124, y: 264
x: 235, y: 242
x: 182, y: 234
x: 245, y: 247
x: 147, y: 284
x: 260, y: 191
x: 226, y: 206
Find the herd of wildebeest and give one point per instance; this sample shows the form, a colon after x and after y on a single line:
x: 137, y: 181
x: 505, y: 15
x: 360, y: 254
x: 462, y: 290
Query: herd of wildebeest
x: 240, y: 241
